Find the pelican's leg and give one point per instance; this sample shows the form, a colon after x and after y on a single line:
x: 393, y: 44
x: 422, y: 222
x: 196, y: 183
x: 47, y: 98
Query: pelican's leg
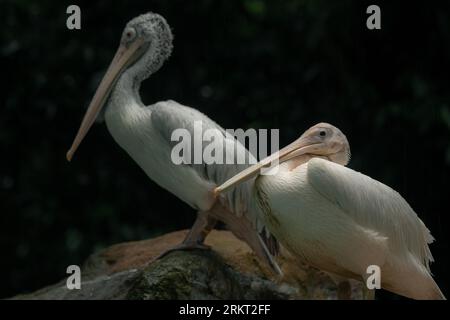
x: 242, y: 229
x: 199, y: 231
x: 196, y: 235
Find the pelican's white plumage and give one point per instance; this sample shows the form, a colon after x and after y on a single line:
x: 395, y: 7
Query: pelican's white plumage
x: 144, y: 132
x: 340, y: 220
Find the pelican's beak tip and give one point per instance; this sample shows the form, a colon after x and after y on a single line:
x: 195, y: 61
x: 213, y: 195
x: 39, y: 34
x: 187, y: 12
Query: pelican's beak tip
x: 69, y: 155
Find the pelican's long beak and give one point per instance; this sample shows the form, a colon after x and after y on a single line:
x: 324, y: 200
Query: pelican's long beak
x: 122, y: 59
x: 299, y: 147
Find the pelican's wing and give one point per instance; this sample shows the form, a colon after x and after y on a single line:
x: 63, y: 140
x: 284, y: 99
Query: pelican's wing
x: 372, y: 205
x: 169, y: 115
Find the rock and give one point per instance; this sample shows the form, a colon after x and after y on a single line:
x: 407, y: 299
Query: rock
x: 229, y: 271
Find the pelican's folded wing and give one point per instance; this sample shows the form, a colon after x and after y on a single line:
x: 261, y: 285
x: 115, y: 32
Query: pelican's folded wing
x: 169, y: 115
x: 372, y: 205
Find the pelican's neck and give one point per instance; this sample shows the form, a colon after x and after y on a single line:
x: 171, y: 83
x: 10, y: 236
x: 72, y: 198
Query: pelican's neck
x: 125, y: 94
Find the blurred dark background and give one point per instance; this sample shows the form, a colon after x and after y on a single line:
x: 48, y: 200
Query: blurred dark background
x: 250, y: 63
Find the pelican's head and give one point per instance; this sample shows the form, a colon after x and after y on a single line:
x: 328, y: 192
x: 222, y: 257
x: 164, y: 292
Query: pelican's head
x: 145, y: 44
x: 149, y: 39
x: 322, y: 140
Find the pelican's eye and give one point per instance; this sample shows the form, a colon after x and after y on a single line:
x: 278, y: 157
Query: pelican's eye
x: 322, y: 133
x: 129, y: 34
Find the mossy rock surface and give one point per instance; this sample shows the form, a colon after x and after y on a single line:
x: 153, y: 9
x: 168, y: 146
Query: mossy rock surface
x: 228, y: 271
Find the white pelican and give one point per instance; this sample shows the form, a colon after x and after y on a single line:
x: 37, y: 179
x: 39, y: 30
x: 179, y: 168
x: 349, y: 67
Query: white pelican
x: 340, y: 220
x: 144, y: 132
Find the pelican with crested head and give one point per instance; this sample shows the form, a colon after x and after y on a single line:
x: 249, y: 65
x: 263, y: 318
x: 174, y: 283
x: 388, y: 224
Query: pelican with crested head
x: 144, y: 132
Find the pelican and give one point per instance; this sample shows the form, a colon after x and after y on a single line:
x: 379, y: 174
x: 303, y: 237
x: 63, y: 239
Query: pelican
x: 339, y: 220
x: 144, y: 132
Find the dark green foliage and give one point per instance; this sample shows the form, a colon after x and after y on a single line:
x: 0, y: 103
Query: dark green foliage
x: 261, y: 64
